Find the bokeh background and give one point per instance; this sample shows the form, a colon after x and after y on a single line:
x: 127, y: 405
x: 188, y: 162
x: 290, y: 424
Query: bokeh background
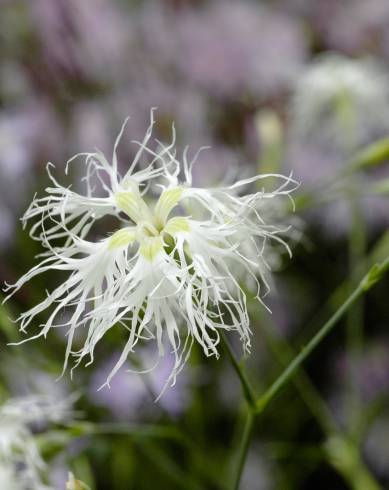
x: 270, y: 86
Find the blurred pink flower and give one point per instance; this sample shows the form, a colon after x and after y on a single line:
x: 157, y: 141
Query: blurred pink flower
x: 225, y: 48
x: 229, y: 49
x: 27, y: 134
x: 365, y: 29
x: 82, y: 39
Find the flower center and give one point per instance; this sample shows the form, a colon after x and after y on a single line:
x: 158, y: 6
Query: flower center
x: 151, y: 226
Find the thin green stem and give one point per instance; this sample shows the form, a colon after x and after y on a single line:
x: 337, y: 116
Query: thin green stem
x: 323, y: 416
x: 374, y: 275
x: 248, y: 391
x: 283, y: 351
x: 357, y: 249
x: 243, y: 449
x: 345, y: 456
x: 250, y: 397
x: 308, y: 392
x: 377, y: 254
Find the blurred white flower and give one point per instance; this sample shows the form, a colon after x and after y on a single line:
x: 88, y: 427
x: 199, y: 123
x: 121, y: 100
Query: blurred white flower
x: 339, y: 106
x: 23, y: 379
x: 168, y: 273
x: 341, y: 100
x: 21, y: 465
x: 37, y: 409
x: 7, y: 479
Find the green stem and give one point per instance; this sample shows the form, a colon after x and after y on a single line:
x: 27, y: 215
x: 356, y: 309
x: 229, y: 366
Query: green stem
x: 248, y: 391
x: 358, y: 479
x: 344, y: 456
x: 243, y: 449
x: 357, y: 248
x: 377, y: 254
x: 308, y: 392
x: 374, y: 275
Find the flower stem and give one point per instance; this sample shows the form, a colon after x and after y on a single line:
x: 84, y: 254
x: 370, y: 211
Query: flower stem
x: 375, y: 274
x: 344, y: 456
x: 243, y: 449
x: 248, y: 391
x: 359, y: 477
x: 308, y: 392
x: 355, y: 316
x: 357, y: 250
x: 372, y: 277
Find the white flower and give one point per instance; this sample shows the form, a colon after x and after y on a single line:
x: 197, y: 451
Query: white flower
x: 169, y: 273
x: 7, y: 479
x: 68, y: 206
x: 343, y: 100
x: 20, y: 460
x: 38, y: 409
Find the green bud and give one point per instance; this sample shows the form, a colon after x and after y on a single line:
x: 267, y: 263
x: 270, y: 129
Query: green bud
x: 372, y: 155
x: 73, y: 484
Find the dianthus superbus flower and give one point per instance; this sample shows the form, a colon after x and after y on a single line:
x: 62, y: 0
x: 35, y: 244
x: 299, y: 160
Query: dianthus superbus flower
x: 168, y: 273
x: 341, y: 100
x: 21, y: 465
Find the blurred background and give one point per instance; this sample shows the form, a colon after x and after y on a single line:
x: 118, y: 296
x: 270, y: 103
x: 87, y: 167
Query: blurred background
x: 270, y: 86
